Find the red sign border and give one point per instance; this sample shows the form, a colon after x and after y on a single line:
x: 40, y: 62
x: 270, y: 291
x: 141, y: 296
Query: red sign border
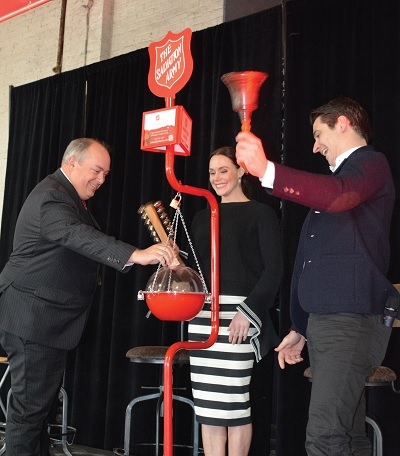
x: 162, y: 90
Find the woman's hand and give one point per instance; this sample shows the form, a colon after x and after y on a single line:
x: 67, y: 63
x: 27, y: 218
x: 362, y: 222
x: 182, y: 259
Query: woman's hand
x: 238, y: 329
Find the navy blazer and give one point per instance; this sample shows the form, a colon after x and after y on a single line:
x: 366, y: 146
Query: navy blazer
x: 49, y: 281
x: 344, y: 250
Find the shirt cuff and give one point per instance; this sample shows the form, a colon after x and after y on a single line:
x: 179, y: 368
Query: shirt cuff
x: 269, y: 177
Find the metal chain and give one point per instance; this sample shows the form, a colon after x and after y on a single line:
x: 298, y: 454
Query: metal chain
x: 175, y: 225
x: 178, y: 215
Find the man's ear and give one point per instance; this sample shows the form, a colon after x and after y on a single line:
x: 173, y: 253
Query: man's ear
x: 71, y: 162
x: 343, y: 123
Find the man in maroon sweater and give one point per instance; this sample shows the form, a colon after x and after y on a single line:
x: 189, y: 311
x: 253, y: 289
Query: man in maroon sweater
x: 339, y: 285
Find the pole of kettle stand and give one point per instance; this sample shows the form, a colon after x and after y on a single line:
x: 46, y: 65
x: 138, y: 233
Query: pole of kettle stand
x: 169, y: 169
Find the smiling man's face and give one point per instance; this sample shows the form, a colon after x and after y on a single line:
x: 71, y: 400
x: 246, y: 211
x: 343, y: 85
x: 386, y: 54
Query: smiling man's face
x: 327, y: 141
x: 89, y: 174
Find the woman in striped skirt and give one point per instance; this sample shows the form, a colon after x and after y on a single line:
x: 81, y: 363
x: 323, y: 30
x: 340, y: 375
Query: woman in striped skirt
x: 250, y: 273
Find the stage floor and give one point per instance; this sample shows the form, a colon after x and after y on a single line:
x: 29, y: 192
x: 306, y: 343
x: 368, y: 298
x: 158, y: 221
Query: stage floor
x: 77, y: 450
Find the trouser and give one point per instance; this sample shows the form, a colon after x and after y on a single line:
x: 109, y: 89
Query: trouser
x: 36, y: 377
x: 343, y: 348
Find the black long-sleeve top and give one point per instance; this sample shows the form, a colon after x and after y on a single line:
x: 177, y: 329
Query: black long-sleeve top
x: 250, y: 261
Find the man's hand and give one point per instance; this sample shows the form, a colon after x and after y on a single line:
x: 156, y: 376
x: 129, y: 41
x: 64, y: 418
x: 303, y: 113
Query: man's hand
x: 156, y: 253
x: 250, y: 153
x: 289, y: 350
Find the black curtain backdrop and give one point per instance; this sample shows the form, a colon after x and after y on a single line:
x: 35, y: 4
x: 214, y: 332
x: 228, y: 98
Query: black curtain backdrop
x: 335, y: 47
x: 44, y: 117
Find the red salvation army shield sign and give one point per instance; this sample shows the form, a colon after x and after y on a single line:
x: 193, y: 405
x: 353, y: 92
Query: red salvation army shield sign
x: 171, y: 63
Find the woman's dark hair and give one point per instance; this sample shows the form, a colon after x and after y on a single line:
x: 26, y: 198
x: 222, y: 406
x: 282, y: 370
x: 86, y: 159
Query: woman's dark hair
x: 230, y: 153
x: 349, y: 108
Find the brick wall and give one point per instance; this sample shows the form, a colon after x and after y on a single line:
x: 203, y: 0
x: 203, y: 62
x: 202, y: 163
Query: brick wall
x: 95, y: 30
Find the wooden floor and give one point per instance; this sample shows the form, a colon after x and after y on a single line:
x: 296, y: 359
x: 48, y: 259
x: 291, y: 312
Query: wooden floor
x: 77, y: 450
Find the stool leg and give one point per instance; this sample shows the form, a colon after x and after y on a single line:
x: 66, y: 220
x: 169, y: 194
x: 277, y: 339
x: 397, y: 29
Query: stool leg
x: 128, y: 418
x: 3, y: 379
x: 378, y: 440
x: 159, y: 413
x: 195, y: 423
x: 3, y: 448
x: 64, y: 423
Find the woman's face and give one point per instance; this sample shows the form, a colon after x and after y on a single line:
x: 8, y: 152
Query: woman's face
x: 225, y: 178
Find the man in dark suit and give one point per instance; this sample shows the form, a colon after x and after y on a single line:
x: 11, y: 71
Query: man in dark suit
x: 339, y: 285
x: 48, y: 284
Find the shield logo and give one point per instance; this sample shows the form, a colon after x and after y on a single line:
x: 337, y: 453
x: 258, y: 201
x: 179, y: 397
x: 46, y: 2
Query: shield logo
x: 171, y: 64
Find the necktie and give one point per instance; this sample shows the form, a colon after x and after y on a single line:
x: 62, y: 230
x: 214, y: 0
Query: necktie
x: 84, y: 204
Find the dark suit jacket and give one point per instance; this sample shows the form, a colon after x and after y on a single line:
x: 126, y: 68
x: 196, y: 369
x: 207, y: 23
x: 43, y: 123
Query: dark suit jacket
x: 51, y: 276
x: 343, y: 252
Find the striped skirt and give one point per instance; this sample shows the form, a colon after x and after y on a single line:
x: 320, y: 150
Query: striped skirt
x: 220, y: 375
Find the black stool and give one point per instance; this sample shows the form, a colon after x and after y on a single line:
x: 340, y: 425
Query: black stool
x: 62, y: 434
x: 3, y: 385
x: 381, y: 376
x: 156, y: 355
x: 59, y: 438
